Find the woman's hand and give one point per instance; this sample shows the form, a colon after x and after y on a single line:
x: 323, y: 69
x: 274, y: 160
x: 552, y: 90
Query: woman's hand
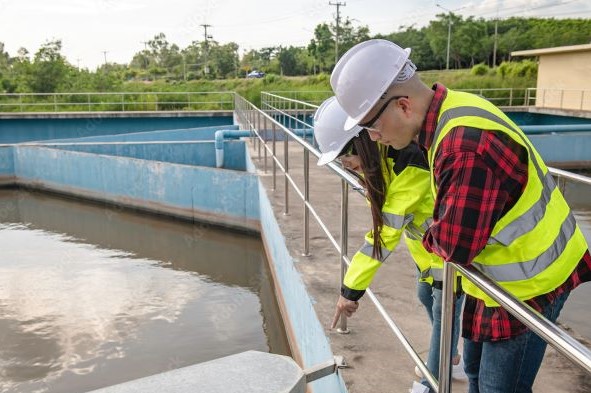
x: 344, y: 306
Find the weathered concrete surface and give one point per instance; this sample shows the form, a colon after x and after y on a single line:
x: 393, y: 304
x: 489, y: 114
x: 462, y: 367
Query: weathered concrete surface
x: 252, y: 371
x: 377, y: 361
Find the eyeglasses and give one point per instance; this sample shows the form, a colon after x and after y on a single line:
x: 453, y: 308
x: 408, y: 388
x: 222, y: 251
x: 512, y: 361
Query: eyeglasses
x: 369, y: 124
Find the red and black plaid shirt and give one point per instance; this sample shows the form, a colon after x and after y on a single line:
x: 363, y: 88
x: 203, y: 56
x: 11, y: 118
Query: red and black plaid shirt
x: 480, y: 175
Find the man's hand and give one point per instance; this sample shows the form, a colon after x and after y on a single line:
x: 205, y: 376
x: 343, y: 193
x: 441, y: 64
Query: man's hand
x: 344, y: 306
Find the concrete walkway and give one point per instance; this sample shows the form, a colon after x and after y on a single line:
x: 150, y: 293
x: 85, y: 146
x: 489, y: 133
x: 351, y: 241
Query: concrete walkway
x: 377, y: 361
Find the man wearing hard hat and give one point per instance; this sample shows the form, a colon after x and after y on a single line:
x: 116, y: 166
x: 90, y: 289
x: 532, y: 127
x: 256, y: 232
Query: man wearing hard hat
x: 497, y: 207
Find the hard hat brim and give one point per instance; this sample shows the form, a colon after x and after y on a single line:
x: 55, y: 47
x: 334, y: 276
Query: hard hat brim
x: 351, y: 124
x: 330, y: 156
x: 327, y: 157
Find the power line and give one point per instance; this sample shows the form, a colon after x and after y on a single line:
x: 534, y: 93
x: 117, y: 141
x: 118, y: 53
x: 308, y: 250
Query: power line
x: 338, y: 4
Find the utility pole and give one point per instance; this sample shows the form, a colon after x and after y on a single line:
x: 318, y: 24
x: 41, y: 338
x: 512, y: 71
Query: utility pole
x: 145, y: 53
x: 338, y: 4
x: 206, y: 44
x: 450, y: 13
x: 494, y: 64
x: 105, y: 55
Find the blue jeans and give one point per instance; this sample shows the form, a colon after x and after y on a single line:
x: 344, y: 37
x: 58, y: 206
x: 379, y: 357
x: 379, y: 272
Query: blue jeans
x: 508, y: 366
x: 431, y: 298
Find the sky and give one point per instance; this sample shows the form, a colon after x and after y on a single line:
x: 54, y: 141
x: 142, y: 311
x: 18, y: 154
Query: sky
x: 94, y: 30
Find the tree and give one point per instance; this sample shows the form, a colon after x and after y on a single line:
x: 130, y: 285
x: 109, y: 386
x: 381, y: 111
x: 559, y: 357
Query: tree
x: 49, y: 69
x: 321, y: 47
x: 293, y: 61
x: 224, y: 59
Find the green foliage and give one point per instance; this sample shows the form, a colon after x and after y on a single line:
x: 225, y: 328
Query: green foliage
x: 472, y: 45
x: 479, y: 69
x: 526, y: 68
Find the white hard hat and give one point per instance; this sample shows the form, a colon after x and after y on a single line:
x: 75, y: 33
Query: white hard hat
x: 365, y: 72
x: 328, y: 130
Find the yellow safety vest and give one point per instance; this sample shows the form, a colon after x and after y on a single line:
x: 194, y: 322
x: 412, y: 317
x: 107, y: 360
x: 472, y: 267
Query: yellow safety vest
x: 408, y: 209
x: 537, y: 244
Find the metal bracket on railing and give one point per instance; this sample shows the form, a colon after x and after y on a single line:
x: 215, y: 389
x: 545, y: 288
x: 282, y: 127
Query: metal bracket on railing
x: 324, y: 369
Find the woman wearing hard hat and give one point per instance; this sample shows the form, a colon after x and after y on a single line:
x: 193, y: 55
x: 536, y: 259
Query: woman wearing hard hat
x: 497, y: 208
x: 398, y: 189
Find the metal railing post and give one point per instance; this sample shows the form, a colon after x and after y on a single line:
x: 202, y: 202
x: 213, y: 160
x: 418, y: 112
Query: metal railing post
x: 286, y: 166
x: 55, y: 102
x: 265, y: 142
x: 447, y: 322
x: 258, y: 131
x: 561, y: 98
x: 561, y: 184
x: 344, y: 245
x: 274, y: 157
x: 306, y: 201
x: 122, y: 102
x: 582, y: 99
x: 511, y: 97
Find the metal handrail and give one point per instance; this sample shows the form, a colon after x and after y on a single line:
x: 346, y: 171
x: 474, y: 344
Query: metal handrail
x: 536, y: 96
x: 119, y: 101
x: 510, y: 96
x: 550, y: 332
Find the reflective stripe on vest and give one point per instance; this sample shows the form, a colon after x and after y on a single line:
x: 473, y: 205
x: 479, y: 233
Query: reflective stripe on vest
x: 367, y: 250
x: 528, y: 221
x: 395, y: 221
x: 529, y: 269
x: 518, y: 270
x: 436, y: 273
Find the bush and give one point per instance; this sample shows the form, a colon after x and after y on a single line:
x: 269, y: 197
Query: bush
x: 525, y: 68
x: 270, y: 78
x: 479, y: 69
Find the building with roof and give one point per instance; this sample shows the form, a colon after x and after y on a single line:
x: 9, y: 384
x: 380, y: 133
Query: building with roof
x: 564, y: 77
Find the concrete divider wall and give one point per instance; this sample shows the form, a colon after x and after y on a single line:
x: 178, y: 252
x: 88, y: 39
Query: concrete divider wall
x: 187, y: 153
x: 186, y: 134
x: 564, y: 150
x: 309, y: 343
x: 6, y: 165
x: 32, y: 127
x: 218, y: 196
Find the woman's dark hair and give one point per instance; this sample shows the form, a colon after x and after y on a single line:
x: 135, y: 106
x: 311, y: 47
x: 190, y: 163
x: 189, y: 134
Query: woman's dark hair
x: 372, y: 159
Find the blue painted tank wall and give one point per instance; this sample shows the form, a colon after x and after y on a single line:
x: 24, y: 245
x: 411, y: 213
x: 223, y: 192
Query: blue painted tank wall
x: 6, y: 161
x: 186, y: 153
x: 21, y: 130
x: 298, y: 310
x: 218, y: 196
x: 187, y: 134
x: 561, y: 149
x: 541, y: 119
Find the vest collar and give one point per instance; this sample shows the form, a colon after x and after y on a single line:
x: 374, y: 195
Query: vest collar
x: 430, y: 123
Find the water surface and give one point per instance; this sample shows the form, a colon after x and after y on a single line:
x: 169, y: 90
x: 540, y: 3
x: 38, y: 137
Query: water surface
x: 92, y: 295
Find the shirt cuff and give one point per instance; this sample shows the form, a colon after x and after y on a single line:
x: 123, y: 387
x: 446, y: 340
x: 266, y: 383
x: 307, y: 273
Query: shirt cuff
x: 351, y: 294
